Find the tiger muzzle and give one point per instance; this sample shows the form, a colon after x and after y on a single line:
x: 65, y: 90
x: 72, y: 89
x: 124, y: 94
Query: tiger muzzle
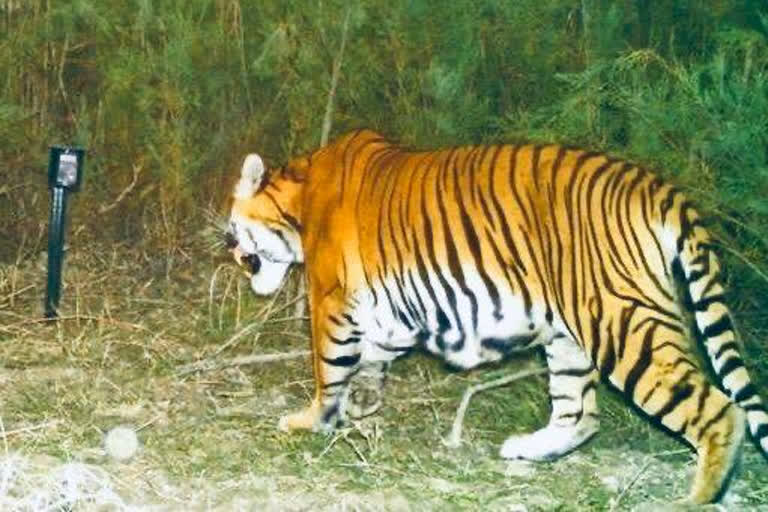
x: 252, y: 262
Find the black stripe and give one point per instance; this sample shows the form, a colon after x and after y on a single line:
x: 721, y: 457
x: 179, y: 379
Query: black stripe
x: 404, y: 318
x: 431, y: 253
x: 347, y: 341
x: 370, y: 173
x: 667, y: 202
x: 472, y: 167
x: 745, y: 393
x: 731, y: 345
x: 506, y: 345
x: 420, y: 310
x: 703, y: 304
x: 440, y: 316
x: 342, y: 360
x: 473, y: 242
x: 650, y: 393
x: 540, y: 275
x: 558, y: 163
x: 334, y: 384
x: 702, y: 259
x: 731, y: 364
x: 628, y: 215
x: 294, y: 223
x: 761, y: 432
x: 395, y: 241
x: 717, y: 417
x: 642, y: 363
x: 575, y: 415
x: 390, y: 300
x: 683, y: 360
x: 451, y: 249
x: 474, y: 247
x: 625, y: 319
x: 656, y: 281
x: 591, y: 385
x: 572, y: 372
x: 501, y: 264
x: 330, y: 413
x: 535, y: 164
x: 609, y: 357
x: 349, y: 318
x: 680, y: 392
x: 685, y: 225
x: 388, y: 348
x: 620, y: 265
x: 672, y: 344
x: 700, y: 407
x: 521, y: 208
x: 505, y: 223
x: 722, y: 325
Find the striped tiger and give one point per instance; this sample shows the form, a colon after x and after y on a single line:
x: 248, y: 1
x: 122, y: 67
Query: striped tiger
x: 474, y: 252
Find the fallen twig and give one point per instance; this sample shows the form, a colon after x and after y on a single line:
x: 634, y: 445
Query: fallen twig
x: 85, y: 318
x: 208, y: 365
x: 454, y: 438
x: 635, y: 478
x: 137, y: 168
x: 236, y: 337
x: 5, y: 434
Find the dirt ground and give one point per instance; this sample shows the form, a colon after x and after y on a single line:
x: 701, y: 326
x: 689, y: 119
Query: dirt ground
x: 132, y: 324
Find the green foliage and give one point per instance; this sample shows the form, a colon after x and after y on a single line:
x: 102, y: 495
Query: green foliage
x: 180, y: 90
x: 168, y: 95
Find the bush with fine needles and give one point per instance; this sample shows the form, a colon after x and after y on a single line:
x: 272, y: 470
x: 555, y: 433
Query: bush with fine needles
x: 172, y: 94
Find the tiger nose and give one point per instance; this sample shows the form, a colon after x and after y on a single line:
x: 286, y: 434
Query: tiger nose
x: 230, y: 242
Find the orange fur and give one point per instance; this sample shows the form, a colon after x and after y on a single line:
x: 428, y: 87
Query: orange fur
x: 459, y: 241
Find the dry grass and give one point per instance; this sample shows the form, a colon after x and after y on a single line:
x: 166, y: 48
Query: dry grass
x: 133, y: 321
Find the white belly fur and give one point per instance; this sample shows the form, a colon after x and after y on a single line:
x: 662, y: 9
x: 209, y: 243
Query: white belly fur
x: 383, y: 330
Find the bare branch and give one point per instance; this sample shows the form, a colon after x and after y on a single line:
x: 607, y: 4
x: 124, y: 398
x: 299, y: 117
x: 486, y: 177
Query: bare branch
x: 137, y: 168
x: 454, y: 438
x: 208, y: 365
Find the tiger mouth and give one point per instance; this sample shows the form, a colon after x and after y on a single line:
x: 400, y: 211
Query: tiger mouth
x: 251, y: 262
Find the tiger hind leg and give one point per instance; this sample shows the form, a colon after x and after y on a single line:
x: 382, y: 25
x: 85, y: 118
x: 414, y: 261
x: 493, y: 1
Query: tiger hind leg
x: 365, y: 390
x: 574, y: 418
x: 667, y: 385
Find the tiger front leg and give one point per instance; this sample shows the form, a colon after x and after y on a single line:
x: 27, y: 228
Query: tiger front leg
x: 335, y: 359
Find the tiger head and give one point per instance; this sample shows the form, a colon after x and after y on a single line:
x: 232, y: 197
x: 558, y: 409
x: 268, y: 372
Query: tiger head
x: 264, y: 232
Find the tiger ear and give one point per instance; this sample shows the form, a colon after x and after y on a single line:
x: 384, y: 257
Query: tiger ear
x: 251, y: 176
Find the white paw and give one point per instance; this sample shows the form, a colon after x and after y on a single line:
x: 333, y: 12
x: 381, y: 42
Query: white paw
x: 527, y: 447
x: 546, y: 444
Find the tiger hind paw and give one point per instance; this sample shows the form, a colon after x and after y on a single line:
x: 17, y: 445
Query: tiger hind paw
x: 549, y: 442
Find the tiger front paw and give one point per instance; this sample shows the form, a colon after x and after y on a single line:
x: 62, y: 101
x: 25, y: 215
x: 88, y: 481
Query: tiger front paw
x: 305, y: 419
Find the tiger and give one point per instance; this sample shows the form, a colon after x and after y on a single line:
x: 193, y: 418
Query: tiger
x: 475, y: 252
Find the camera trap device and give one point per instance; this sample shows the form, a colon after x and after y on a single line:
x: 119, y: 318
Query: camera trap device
x: 65, y: 173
